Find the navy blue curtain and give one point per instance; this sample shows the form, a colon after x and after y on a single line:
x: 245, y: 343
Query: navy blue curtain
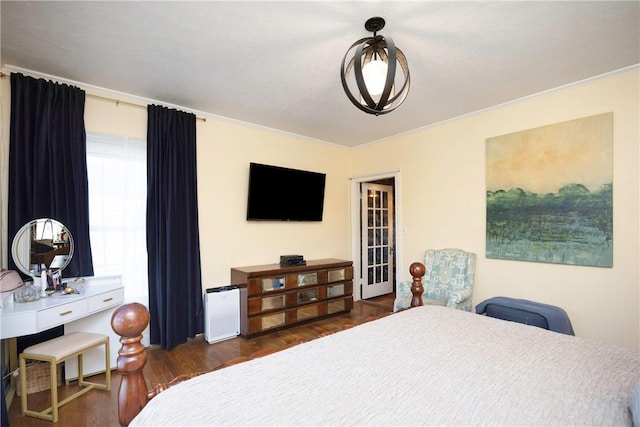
x: 48, y: 163
x: 173, y: 243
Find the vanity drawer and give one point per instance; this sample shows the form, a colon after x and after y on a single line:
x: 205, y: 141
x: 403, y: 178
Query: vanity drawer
x: 106, y: 300
x: 55, y: 316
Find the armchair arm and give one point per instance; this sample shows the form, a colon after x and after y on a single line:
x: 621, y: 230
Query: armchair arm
x: 404, y: 288
x: 403, y: 296
x: 458, y: 296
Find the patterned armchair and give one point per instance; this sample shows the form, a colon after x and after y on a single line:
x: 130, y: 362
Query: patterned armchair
x: 447, y: 281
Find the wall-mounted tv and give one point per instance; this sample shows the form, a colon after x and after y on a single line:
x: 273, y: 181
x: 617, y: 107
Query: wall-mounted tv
x: 283, y: 194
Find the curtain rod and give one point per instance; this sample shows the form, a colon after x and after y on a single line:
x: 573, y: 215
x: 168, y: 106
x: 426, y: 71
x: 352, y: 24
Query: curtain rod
x: 108, y: 98
x: 134, y: 104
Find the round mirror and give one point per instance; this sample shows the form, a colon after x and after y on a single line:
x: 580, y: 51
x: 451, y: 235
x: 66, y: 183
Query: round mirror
x: 42, y: 244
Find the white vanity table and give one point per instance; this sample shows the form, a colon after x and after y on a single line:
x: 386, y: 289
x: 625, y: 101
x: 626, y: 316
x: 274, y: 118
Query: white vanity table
x: 46, y: 245
x: 90, y: 312
x: 27, y: 318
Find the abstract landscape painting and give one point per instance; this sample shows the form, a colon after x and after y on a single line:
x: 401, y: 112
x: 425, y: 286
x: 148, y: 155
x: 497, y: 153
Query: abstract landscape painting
x: 549, y: 193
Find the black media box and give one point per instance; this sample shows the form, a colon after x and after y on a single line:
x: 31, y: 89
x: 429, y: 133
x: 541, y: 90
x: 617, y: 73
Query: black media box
x: 286, y: 260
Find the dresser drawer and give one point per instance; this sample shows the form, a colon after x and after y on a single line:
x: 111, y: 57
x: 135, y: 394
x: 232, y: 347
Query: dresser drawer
x: 275, y: 297
x: 106, y: 300
x: 55, y: 316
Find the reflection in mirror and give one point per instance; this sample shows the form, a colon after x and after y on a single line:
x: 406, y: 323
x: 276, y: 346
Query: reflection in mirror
x: 42, y: 244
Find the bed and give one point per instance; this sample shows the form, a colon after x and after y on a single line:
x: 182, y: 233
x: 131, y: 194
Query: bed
x: 427, y: 365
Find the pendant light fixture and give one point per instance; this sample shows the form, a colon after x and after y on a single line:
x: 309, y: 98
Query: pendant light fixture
x: 369, y: 71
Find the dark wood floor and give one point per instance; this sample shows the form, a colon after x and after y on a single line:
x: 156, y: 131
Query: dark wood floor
x: 99, y: 408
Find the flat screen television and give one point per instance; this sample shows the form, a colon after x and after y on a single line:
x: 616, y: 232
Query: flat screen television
x: 283, y: 194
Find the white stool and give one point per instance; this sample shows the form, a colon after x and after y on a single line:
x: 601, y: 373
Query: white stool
x: 56, y: 351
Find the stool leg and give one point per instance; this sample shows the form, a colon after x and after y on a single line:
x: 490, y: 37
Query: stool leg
x: 54, y: 390
x: 80, y: 370
x: 107, y: 361
x: 23, y: 385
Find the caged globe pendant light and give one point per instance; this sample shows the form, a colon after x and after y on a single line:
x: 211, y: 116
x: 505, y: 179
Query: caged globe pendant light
x: 368, y: 72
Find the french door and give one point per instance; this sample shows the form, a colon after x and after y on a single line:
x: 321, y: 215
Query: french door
x: 377, y: 240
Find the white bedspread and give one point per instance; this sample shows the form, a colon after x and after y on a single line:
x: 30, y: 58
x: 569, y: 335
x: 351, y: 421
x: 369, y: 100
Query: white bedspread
x: 424, y: 366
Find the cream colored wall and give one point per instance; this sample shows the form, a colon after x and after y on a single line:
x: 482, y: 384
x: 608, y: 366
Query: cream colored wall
x: 442, y: 191
x: 224, y: 151
x: 227, y: 238
x: 443, y: 194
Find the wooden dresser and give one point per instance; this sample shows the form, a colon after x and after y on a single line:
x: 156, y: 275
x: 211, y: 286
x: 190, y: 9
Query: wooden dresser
x: 273, y: 297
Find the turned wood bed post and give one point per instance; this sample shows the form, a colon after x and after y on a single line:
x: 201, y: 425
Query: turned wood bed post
x: 417, y: 270
x: 129, y: 321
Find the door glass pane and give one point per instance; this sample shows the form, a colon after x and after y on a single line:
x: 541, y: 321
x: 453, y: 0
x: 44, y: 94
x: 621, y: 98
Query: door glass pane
x: 370, y: 276
x: 370, y: 198
x: 385, y: 202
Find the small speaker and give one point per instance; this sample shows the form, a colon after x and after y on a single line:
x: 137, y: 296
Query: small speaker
x: 286, y: 260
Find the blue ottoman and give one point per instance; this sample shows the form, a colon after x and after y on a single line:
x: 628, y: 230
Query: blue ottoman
x: 528, y: 312
x: 516, y: 315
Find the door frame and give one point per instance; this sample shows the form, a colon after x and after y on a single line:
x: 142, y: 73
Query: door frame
x: 355, y: 227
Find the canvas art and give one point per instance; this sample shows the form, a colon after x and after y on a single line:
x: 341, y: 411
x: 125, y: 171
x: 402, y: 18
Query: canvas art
x: 549, y: 193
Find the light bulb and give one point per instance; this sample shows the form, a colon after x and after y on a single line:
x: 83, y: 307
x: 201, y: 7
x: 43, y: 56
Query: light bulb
x: 375, y: 76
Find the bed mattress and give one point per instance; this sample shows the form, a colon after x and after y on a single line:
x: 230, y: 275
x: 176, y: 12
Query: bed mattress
x: 423, y: 366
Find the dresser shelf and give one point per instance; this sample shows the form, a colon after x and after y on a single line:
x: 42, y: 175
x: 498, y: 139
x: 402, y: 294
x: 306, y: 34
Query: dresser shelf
x: 273, y: 297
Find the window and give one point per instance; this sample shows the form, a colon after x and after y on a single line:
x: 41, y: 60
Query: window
x: 117, y: 174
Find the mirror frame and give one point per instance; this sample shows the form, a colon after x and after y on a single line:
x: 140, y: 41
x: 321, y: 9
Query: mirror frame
x: 27, y: 228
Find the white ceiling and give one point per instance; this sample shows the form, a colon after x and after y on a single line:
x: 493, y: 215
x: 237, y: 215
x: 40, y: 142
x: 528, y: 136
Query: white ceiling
x: 277, y: 63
